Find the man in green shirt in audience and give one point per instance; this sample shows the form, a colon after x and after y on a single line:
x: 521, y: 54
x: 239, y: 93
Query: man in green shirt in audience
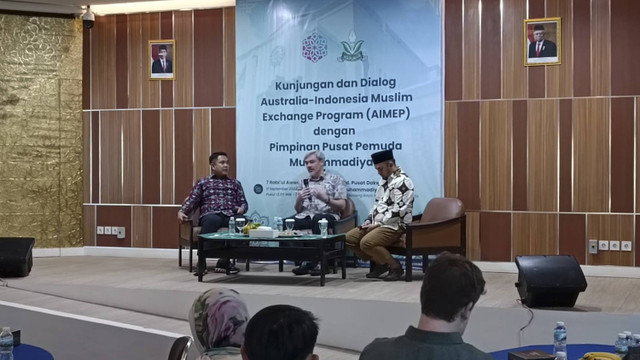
x: 452, y: 285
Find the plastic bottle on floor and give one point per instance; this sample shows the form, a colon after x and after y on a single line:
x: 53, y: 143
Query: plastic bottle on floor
x: 6, y: 344
x: 560, y: 338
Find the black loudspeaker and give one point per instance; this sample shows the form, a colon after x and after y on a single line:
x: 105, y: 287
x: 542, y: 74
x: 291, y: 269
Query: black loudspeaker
x: 549, y: 280
x: 15, y: 256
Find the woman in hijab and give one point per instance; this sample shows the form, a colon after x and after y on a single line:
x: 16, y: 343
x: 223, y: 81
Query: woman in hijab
x: 218, y: 319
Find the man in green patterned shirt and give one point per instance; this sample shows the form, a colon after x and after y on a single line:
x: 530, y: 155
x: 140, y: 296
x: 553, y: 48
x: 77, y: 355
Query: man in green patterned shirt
x: 451, y: 287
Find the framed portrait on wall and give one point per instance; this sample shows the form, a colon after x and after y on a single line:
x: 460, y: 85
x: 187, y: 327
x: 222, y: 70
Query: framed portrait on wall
x: 542, y: 45
x: 163, y: 60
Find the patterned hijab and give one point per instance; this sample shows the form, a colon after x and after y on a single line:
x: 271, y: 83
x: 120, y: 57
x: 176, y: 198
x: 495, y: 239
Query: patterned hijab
x: 218, y: 319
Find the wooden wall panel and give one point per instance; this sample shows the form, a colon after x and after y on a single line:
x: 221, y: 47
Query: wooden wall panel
x: 86, y: 69
x: 453, y: 52
x: 582, y: 48
x: 167, y: 147
x: 137, y: 52
x: 208, y: 40
x: 103, y: 66
x: 519, y: 123
x: 151, y: 157
x: 470, y: 51
x: 625, y: 49
x: 95, y: 157
x: 543, y: 155
x: 473, y: 236
x: 86, y: 157
x: 610, y: 227
x: 229, y: 70
x: 122, y: 62
x: 637, y: 174
x: 514, y: 79
x: 150, y: 90
x: 167, y: 88
x: 469, y: 154
x: 450, y: 149
x: 131, y: 157
x: 622, y: 156
x: 495, y: 158
x: 183, y: 127
x: 535, y: 234
x: 536, y: 74
x: 490, y: 59
x: 89, y: 225
x: 110, y: 157
x: 201, y: 143
x: 572, y: 236
x: 183, y: 33
x: 495, y: 236
x: 141, y: 227
x: 114, y: 216
x: 566, y: 154
x: 223, y: 123
x: 560, y: 77
x: 636, y: 251
x: 600, y: 48
x: 591, y: 154
x: 165, y: 227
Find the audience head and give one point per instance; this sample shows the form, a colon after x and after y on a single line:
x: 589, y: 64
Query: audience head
x: 281, y: 332
x: 451, y: 287
x: 218, y: 319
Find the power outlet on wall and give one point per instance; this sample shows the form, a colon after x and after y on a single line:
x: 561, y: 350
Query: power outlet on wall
x: 626, y: 246
x: 603, y: 245
x: 614, y: 245
x: 107, y: 230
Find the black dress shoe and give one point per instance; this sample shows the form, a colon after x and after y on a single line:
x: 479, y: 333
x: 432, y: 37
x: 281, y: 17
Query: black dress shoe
x: 377, y: 271
x: 232, y: 270
x: 394, y: 275
x: 316, y: 271
x: 304, y: 268
x: 205, y: 272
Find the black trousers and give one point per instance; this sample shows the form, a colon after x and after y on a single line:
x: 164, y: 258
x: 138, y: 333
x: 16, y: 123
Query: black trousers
x: 211, y: 223
x: 310, y: 223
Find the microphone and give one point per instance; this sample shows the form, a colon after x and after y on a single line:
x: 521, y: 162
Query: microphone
x: 306, y: 184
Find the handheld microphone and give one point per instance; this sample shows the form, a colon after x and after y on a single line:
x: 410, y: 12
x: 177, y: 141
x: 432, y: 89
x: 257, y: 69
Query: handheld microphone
x: 306, y: 184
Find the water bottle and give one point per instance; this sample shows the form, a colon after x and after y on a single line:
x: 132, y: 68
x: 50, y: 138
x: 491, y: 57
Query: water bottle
x: 324, y: 225
x: 560, y: 339
x: 6, y: 344
x: 561, y: 355
x: 629, y: 337
x: 621, y: 346
x: 232, y: 225
x: 278, y: 223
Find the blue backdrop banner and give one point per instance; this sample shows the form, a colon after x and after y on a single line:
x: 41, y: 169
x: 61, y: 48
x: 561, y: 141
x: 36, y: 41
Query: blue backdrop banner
x: 348, y: 78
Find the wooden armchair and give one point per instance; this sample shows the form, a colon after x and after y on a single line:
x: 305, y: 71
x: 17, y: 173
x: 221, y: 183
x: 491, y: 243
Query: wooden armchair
x: 441, y: 227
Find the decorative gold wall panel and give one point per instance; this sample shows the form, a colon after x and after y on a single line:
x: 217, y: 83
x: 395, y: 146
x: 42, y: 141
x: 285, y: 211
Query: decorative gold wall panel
x: 41, y: 130
x: 473, y: 236
x: 183, y: 33
x: 167, y: 147
x: 534, y: 234
x: 560, y: 77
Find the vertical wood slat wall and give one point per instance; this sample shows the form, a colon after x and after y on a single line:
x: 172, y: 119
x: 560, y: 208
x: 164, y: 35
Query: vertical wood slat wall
x: 545, y: 157
x: 147, y: 141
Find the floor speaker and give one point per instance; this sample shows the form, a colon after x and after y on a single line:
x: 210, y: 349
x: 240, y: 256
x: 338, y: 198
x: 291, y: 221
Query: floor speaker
x: 15, y: 256
x: 549, y: 280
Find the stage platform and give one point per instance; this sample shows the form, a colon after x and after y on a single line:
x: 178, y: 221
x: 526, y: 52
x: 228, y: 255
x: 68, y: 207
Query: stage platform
x: 156, y: 294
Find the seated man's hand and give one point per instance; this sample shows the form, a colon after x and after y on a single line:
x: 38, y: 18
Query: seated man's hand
x: 240, y: 210
x: 305, y: 193
x: 321, y: 194
x: 182, y: 216
x: 369, y: 227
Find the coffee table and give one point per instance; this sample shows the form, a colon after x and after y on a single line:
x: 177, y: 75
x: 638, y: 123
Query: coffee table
x: 303, y: 247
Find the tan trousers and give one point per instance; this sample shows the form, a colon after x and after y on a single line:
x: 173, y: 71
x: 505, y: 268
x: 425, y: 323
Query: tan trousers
x: 373, y: 245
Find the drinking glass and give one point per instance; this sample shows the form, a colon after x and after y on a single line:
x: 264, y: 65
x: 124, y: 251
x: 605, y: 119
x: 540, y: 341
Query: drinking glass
x: 289, y: 223
x: 240, y: 224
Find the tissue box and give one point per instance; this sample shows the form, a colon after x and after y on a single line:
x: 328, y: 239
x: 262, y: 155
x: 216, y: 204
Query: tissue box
x: 260, y: 233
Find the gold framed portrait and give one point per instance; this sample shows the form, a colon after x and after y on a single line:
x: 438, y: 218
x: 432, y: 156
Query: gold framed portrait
x: 162, y: 55
x: 542, y: 41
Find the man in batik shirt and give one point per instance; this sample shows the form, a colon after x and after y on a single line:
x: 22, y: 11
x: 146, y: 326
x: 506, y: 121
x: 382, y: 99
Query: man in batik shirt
x: 219, y: 197
x: 320, y: 196
x: 387, y: 220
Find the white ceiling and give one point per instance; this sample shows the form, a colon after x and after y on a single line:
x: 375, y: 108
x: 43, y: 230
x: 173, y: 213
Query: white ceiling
x: 76, y: 6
